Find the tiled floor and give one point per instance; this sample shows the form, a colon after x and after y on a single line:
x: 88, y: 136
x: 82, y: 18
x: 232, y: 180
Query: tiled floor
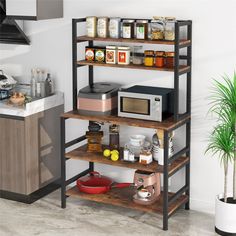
x: 83, y: 218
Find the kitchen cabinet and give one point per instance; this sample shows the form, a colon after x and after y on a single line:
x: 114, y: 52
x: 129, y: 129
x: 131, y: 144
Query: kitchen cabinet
x: 30, y: 153
x: 34, y: 9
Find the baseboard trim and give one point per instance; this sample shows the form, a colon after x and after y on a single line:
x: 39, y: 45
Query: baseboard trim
x: 28, y: 199
x: 223, y: 233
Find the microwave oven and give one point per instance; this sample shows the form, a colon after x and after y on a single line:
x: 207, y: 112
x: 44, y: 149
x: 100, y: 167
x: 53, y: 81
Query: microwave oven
x: 147, y: 103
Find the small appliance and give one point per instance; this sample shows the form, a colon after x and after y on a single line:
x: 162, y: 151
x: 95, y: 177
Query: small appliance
x: 99, y: 99
x: 147, y: 103
x: 6, y: 85
x: 148, y: 187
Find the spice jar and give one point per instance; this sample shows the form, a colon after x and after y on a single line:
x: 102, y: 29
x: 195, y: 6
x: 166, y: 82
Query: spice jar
x: 160, y: 59
x: 89, y: 54
x: 157, y: 28
x: 137, y: 57
x: 91, y: 26
x: 149, y: 58
x: 170, y: 59
x: 114, y: 27
x: 102, y: 27
x: 141, y: 29
x: 128, y: 29
x: 111, y: 55
x: 123, y: 55
x: 170, y: 28
x: 114, y: 138
x: 100, y: 54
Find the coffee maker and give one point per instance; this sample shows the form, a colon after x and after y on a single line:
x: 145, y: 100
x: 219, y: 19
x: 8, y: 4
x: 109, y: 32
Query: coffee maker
x: 148, y: 187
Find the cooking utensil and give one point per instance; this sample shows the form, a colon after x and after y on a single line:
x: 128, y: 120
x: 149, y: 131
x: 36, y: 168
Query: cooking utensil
x: 94, y: 183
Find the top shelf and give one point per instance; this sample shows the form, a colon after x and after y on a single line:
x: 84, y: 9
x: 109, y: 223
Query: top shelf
x: 182, y: 43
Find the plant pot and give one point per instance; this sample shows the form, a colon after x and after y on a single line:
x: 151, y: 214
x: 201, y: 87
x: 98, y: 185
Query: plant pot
x: 225, y: 217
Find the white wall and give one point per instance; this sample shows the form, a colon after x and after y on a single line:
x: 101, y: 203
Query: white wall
x: 214, y: 53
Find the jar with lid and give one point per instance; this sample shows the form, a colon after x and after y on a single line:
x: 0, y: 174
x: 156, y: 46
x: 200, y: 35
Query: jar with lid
x: 157, y: 28
x: 170, y: 59
x: 160, y: 59
x: 102, y: 27
x: 137, y: 55
x: 141, y: 29
x: 114, y: 138
x: 123, y: 55
x: 170, y: 28
x: 128, y: 29
x: 111, y: 54
x: 91, y: 26
x: 114, y: 27
x: 149, y: 58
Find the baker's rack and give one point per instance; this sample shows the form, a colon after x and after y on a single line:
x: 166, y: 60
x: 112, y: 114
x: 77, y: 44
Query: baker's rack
x: 168, y: 202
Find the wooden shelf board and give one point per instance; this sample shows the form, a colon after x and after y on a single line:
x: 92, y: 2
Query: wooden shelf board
x: 124, y: 198
x: 82, y: 154
x: 131, y: 66
x: 121, y: 40
x: 167, y: 124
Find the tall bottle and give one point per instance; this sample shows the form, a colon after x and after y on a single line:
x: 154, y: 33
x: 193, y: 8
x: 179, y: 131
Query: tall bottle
x: 33, y: 83
x: 42, y: 83
x: 49, y: 89
x: 38, y: 83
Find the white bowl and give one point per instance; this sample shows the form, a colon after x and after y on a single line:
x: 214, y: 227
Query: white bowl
x: 137, y: 140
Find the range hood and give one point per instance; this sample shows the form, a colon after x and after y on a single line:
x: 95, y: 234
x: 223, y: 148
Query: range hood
x: 10, y: 31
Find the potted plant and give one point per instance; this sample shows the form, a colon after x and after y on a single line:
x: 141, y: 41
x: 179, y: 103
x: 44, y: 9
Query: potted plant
x: 222, y: 142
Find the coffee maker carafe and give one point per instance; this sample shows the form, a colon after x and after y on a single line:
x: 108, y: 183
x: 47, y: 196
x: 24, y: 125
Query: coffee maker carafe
x: 148, y: 187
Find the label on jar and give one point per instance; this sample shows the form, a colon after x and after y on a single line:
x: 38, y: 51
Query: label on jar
x: 102, y: 28
x: 100, y: 56
x: 114, y: 28
x: 140, y: 34
x: 91, y: 27
x: 110, y: 56
x: 127, y: 32
x: 122, y: 57
x: 89, y: 56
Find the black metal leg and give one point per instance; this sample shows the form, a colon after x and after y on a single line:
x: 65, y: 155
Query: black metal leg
x: 165, y: 182
x: 63, y: 165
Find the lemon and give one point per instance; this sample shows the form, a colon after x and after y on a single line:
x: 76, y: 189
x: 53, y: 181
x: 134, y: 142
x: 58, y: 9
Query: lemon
x: 106, y: 153
x: 115, y: 156
x: 115, y: 151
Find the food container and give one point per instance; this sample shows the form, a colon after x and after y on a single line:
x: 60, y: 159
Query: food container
x: 170, y: 28
x: 149, y: 58
x: 114, y: 137
x: 91, y: 26
x: 141, y: 29
x: 128, y: 29
x: 170, y: 59
x: 111, y: 54
x: 89, y: 54
x: 99, y: 99
x: 157, y: 28
x: 100, y: 54
x: 137, y: 140
x: 102, y: 27
x: 124, y: 55
x: 137, y: 57
x: 160, y: 59
x: 114, y: 27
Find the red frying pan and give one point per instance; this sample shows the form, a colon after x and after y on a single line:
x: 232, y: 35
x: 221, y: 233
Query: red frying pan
x: 94, y: 183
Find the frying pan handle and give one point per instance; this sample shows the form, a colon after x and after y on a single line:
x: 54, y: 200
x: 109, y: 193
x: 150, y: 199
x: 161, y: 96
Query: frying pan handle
x: 122, y: 185
x: 93, y: 173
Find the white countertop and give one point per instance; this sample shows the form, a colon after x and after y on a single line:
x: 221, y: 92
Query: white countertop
x: 32, y: 107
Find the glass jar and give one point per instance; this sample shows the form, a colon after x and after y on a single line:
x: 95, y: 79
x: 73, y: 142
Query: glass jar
x: 123, y: 55
x: 149, y: 58
x: 157, y: 28
x: 160, y: 59
x: 141, y: 29
x: 128, y: 29
x: 114, y: 27
x: 102, y: 27
x: 114, y: 138
x: 170, y: 28
x: 91, y: 26
x: 170, y: 59
x: 137, y: 57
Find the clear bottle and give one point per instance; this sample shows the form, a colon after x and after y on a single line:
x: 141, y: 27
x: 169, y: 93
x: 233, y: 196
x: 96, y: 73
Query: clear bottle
x: 33, y: 83
x: 42, y: 84
x: 38, y: 83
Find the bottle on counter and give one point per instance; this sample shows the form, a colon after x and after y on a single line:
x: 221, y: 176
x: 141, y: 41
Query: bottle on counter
x: 33, y: 83
x: 38, y: 83
x: 42, y: 84
x: 49, y: 88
